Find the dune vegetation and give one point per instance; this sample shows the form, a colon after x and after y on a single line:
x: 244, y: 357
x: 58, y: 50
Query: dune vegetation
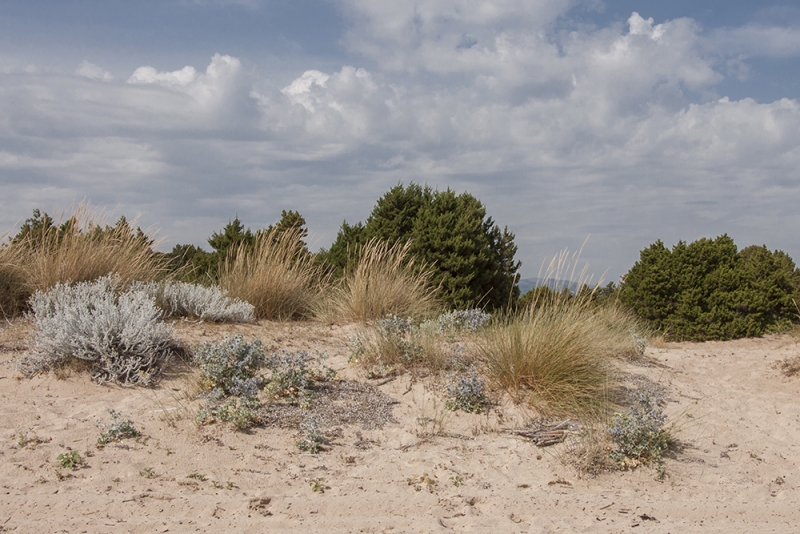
x: 101, y: 298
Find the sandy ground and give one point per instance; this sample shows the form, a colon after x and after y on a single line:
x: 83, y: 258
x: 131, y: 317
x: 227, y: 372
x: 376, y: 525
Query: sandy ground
x: 737, y: 417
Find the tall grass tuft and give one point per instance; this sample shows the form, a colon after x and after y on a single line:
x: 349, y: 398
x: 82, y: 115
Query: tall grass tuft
x: 385, y: 281
x: 15, y: 289
x: 81, y: 249
x: 556, y: 353
x: 276, y: 275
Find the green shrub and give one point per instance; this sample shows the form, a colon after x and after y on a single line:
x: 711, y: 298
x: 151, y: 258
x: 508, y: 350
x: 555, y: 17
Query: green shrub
x: 639, y: 434
x: 118, y: 430
x: 710, y: 290
x: 471, y: 258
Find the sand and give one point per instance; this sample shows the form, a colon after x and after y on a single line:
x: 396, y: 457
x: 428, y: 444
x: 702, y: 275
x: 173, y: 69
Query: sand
x: 736, y: 417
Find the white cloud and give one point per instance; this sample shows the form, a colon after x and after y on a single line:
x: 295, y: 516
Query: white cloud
x: 93, y: 72
x: 180, y: 78
x: 220, y: 78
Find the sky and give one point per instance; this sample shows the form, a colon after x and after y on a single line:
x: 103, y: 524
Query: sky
x: 622, y: 121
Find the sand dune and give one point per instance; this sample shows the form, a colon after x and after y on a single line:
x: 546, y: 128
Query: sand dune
x: 737, y: 418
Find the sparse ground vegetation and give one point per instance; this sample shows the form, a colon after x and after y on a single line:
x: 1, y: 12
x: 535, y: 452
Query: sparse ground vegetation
x: 96, y: 296
x: 119, y: 429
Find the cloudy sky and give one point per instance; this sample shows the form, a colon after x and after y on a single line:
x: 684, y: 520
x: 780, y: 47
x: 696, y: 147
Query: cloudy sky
x: 629, y: 121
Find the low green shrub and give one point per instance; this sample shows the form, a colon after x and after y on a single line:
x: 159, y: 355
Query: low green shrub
x: 314, y: 439
x: 118, y: 430
x: 70, y: 460
x: 639, y: 434
x: 467, y: 394
x: 228, y: 377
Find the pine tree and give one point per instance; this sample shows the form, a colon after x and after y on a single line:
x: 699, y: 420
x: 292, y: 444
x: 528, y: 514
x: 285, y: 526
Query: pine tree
x: 710, y: 290
x: 472, y: 258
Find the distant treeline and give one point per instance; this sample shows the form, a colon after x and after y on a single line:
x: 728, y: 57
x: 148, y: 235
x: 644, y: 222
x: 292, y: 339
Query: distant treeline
x: 708, y: 289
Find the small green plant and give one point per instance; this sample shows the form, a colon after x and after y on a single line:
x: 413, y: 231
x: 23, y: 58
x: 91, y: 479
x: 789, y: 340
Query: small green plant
x: 29, y: 439
x: 314, y: 440
x: 317, y: 485
x: 457, y: 480
x: 147, y: 472
x: 639, y: 434
x: 197, y: 476
x: 292, y: 375
x: 424, y: 481
x: 241, y: 411
x: 229, y: 367
x: 466, y: 394
x: 118, y: 430
x: 70, y: 460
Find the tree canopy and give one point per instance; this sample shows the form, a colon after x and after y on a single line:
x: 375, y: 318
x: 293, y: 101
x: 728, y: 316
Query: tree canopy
x: 710, y: 290
x: 472, y: 258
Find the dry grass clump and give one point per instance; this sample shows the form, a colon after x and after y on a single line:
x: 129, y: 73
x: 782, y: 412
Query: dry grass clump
x: 789, y: 366
x: 557, y: 352
x: 84, y: 248
x: 276, y: 275
x: 557, y: 356
x: 14, y: 287
x: 386, y: 281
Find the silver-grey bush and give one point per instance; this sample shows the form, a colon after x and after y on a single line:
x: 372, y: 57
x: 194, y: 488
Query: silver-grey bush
x: 121, y: 334
x: 181, y: 299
